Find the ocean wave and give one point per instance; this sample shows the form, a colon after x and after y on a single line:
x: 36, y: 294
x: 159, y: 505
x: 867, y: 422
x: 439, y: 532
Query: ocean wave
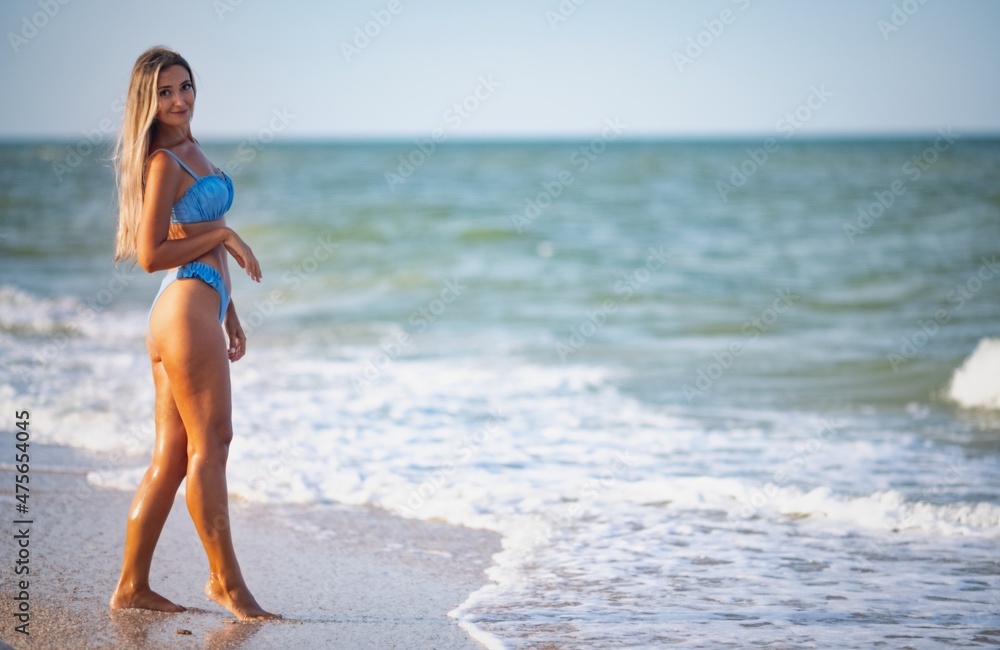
x: 24, y: 314
x: 976, y: 384
x: 601, y: 499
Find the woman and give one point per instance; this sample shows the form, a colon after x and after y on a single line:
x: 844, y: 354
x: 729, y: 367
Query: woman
x: 171, y: 206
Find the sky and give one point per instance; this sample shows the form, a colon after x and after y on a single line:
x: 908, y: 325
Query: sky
x: 513, y: 68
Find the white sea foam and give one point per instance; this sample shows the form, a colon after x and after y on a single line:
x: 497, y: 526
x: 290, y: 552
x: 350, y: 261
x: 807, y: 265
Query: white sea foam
x: 622, y: 524
x: 618, y: 521
x: 976, y: 384
x: 25, y: 314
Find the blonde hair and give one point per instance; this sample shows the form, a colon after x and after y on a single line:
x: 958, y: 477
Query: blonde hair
x: 132, y: 149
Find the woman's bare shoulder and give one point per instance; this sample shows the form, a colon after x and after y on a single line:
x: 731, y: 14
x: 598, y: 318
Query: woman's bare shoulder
x: 162, y: 165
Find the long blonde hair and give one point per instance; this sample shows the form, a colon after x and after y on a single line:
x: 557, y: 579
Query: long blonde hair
x: 138, y: 130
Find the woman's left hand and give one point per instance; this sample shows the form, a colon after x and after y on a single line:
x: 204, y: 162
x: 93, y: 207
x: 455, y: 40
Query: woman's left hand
x: 234, y: 332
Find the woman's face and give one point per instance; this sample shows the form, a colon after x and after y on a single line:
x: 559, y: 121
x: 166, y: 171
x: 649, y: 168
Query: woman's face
x: 175, y: 94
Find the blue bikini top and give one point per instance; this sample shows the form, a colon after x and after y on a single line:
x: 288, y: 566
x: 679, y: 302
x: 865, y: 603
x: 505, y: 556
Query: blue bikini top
x: 207, y: 200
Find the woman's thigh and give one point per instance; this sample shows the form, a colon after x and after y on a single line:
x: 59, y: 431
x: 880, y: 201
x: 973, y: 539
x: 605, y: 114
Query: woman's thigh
x: 170, y: 450
x: 186, y: 336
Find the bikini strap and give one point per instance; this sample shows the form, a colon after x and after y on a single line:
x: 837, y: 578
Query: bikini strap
x: 186, y: 168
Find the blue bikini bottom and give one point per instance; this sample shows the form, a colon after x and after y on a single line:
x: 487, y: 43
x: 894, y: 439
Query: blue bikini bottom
x: 204, y: 272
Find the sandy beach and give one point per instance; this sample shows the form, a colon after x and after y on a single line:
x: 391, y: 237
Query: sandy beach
x: 341, y: 576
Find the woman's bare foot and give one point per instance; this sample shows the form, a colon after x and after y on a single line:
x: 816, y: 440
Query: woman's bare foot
x: 238, y: 600
x: 142, y: 598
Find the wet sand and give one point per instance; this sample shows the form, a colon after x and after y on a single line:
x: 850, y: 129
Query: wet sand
x: 341, y: 576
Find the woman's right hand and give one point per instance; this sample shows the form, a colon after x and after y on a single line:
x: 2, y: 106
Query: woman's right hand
x: 242, y: 254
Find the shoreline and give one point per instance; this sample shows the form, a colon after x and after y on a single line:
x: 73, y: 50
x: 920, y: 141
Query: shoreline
x: 341, y: 576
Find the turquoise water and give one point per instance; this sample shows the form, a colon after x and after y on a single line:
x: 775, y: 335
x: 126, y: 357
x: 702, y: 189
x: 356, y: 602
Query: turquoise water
x: 850, y: 296
x: 603, y: 299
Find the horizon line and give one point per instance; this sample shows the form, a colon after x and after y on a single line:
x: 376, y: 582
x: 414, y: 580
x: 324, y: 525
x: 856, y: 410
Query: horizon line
x: 532, y: 138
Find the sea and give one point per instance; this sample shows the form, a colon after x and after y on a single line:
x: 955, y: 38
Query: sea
x: 710, y: 393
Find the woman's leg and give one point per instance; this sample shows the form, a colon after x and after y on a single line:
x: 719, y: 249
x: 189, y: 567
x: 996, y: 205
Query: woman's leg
x: 186, y: 331
x: 152, y: 501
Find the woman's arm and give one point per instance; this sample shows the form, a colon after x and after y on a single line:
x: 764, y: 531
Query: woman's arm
x: 234, y: 330
x: 155, y: 251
